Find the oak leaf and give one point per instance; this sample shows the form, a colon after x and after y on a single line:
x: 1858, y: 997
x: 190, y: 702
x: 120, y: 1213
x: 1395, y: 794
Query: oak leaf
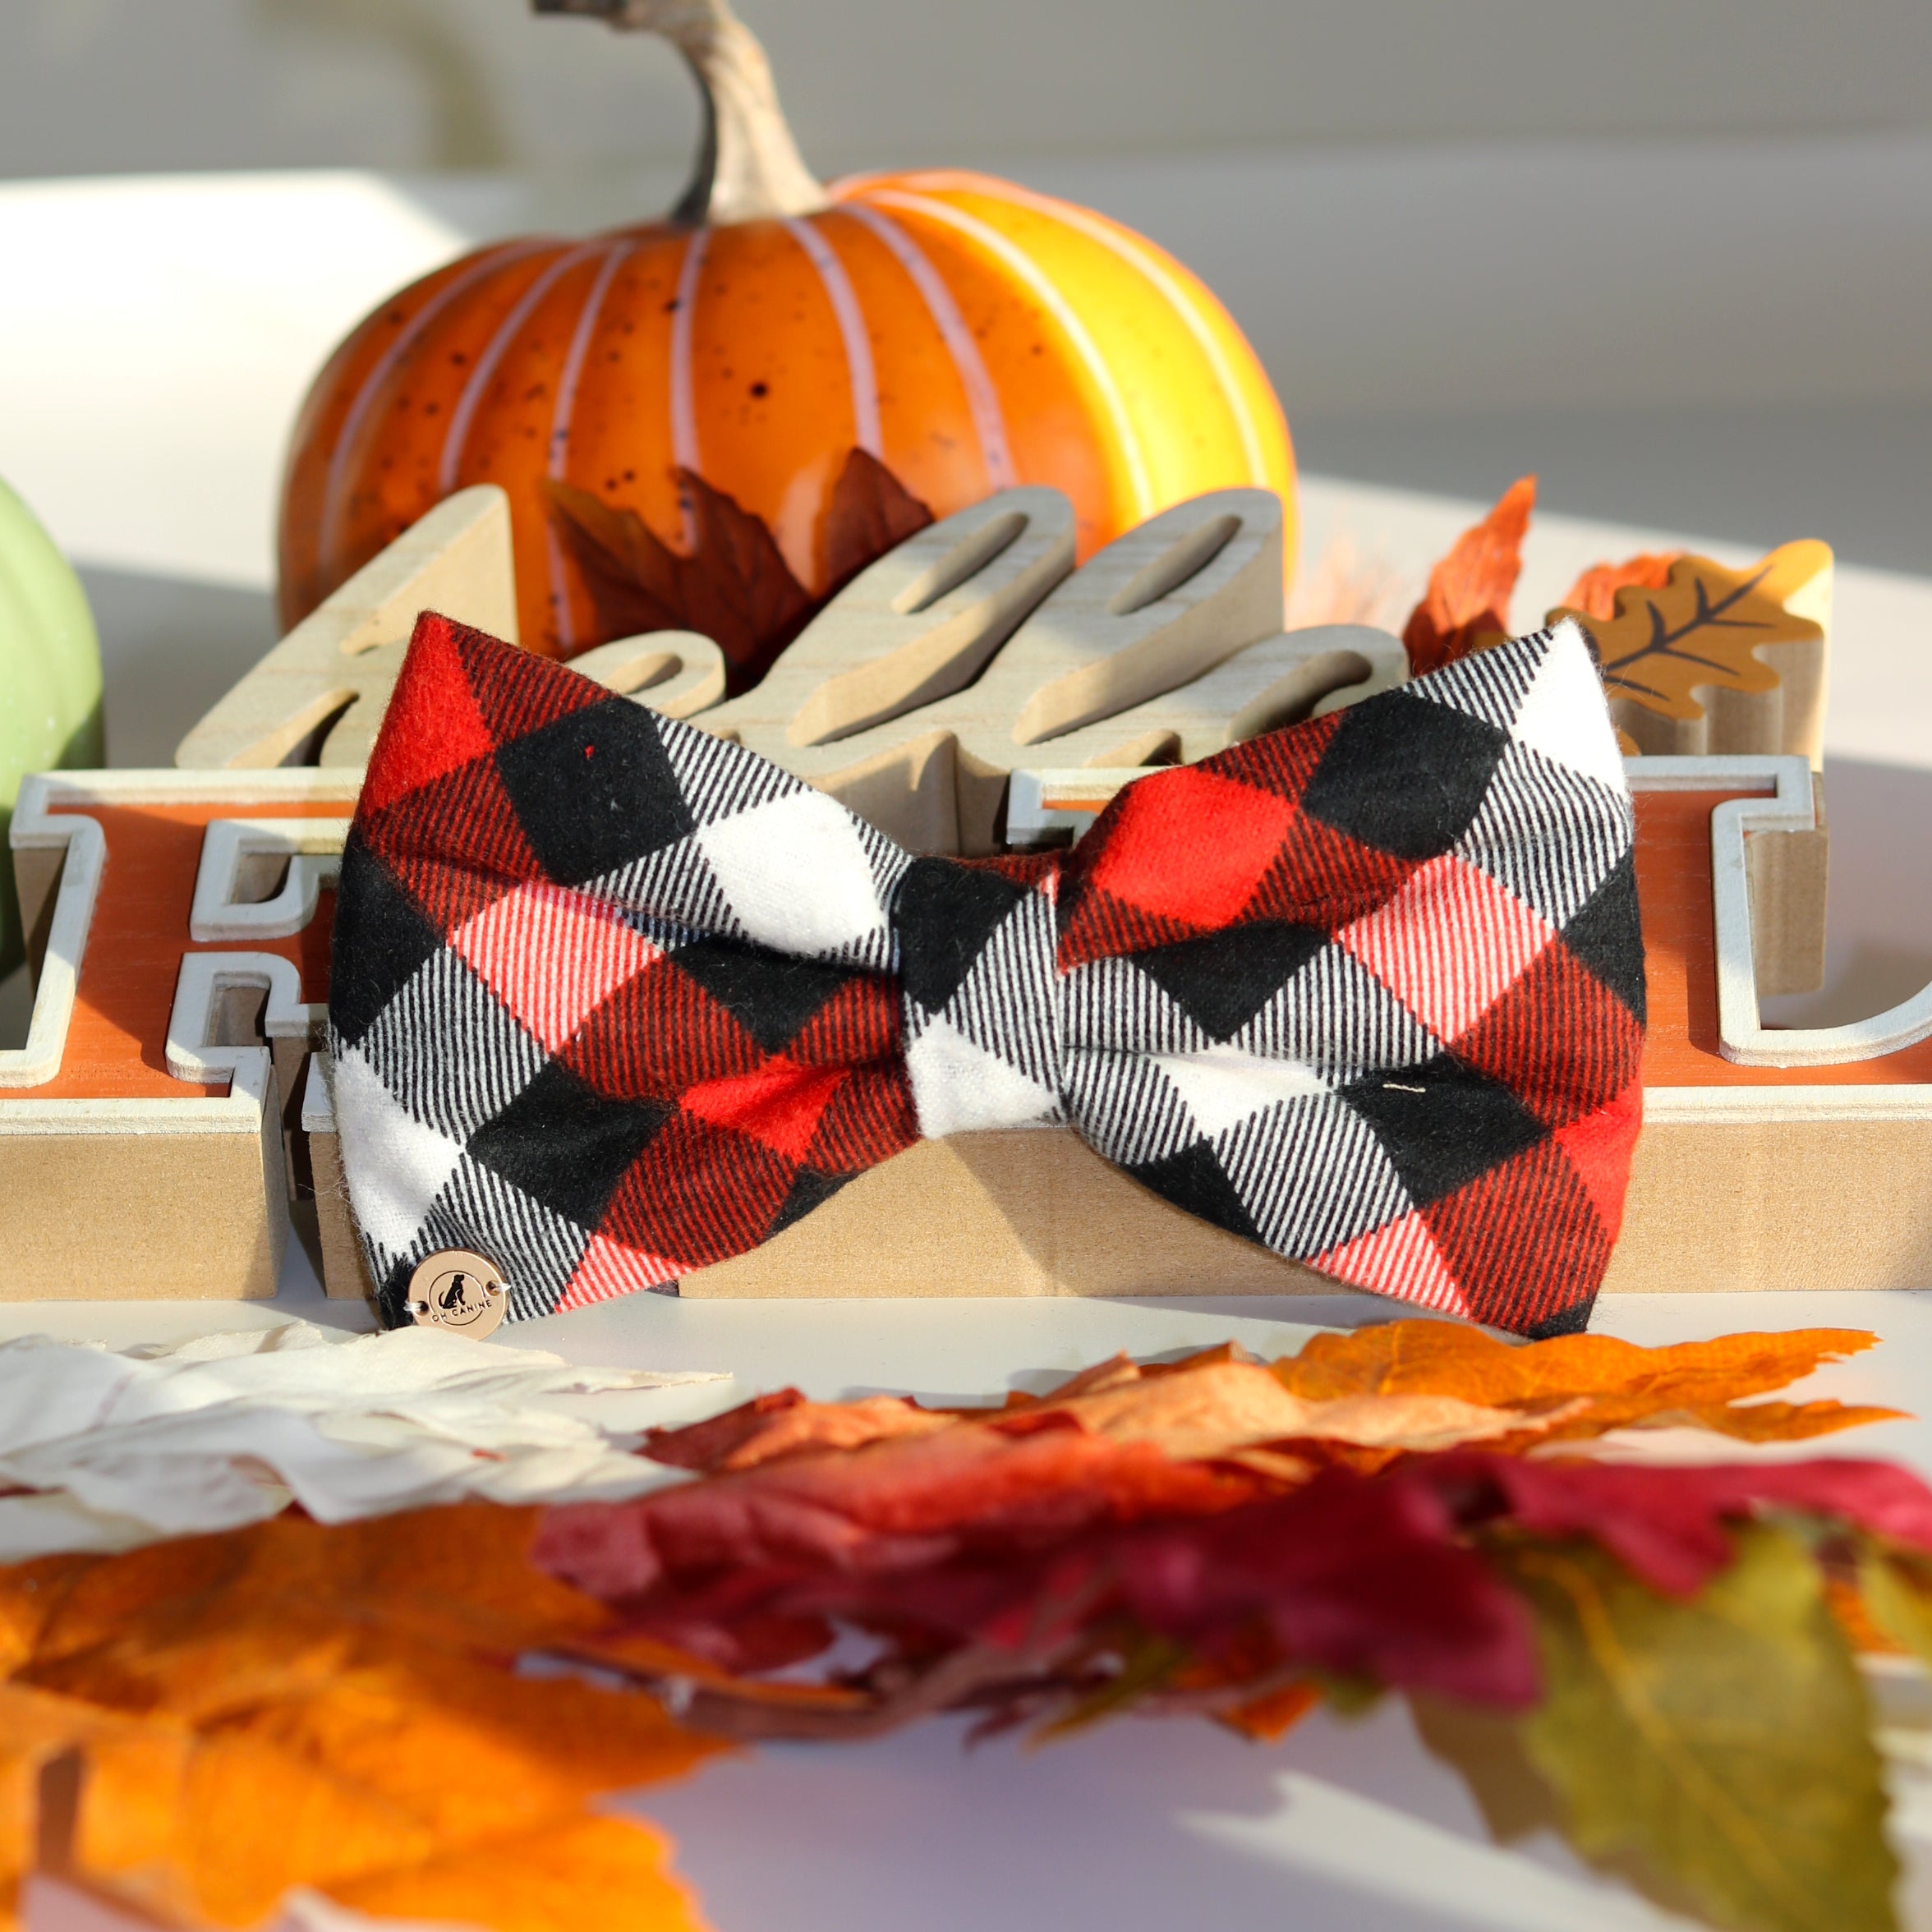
x: 1467, y: 603
x: 734, y: 587
x: 1665, y: 647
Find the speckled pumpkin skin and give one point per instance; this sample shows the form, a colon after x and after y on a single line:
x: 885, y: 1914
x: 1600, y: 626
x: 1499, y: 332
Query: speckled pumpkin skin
x: 970, y: 334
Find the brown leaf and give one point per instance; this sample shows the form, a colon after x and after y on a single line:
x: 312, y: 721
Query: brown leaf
x: 1594, y: 594
x: 870, y: 513
x: 1468, y: 598
x: 735, y: 586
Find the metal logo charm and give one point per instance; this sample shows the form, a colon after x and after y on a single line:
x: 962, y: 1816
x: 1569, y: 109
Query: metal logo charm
x: 457, y: 1290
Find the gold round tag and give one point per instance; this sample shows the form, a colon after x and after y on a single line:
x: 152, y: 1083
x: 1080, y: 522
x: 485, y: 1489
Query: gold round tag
x: 459, y: 1290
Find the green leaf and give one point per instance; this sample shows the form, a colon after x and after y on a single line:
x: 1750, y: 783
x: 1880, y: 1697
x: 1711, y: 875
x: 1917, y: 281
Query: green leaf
x: 1897, y: 1594
x: 1722, y: 1746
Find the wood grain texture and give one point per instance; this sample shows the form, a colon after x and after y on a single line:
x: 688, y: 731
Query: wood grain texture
x: 1033, y: 1213
x: 970, y: 651
x: 121, y: 1179
x: 318, y: 696
x: 1719, y: 660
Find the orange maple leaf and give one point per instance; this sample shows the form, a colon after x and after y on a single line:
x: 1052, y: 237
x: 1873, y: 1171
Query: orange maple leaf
x: 352, y: 1689
x: 1467, y: 599
x: 1594, y: 592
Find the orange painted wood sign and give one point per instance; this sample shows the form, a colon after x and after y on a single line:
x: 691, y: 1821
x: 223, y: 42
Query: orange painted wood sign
x: 183, y: 919
x: 179, y: 928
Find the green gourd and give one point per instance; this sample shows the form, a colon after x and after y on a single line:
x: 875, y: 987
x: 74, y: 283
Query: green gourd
x: 50, y: 680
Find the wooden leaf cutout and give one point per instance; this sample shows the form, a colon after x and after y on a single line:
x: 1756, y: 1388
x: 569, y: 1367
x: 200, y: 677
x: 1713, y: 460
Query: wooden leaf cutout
x: 870, y: 511
x: 1684, y: 662
x: 1467, y: 599
x: 734, y: 587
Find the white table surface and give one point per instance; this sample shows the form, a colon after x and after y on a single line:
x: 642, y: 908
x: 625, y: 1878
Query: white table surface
x: 1344, y: 1825
x: 1140, y: 1824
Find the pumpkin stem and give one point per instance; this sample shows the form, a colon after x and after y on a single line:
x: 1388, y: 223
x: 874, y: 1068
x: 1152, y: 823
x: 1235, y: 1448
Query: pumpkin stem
x: 749, y: 166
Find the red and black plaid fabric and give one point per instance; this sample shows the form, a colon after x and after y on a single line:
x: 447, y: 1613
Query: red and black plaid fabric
x: 613, y: 999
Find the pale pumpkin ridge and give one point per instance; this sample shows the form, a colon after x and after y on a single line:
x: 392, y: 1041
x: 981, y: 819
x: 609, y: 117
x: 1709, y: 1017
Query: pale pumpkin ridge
x: 982, y: 399
x: 485, y: 373
x: 685, y: 453
x: 573, y: 362
x: 333, y: 493
x: 1056, y: 304
x: 1131, y: 251
x: 852, y: 333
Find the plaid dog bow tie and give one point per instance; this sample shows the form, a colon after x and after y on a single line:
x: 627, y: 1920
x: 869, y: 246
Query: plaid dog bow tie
x: 613, y: 999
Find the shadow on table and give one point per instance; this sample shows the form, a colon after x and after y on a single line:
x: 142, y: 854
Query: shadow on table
x: 1879, y: 909
x: 1139, y: 1823
x: 170, y: 646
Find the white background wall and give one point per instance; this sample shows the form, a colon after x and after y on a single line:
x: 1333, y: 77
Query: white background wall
x: 93, y: 85
x: 1674, y: 254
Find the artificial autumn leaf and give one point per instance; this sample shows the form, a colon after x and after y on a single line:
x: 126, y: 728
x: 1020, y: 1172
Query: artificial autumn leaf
x: 734, y: 587
x: 785, y: 1423
x: 1894, y: 1593
x: 601, y: 1872
x: 37, y: 1730
x: 1271, y: 1717
x: 377, y: 1771
x: 1723, y: 1746
x: 457, y: 1578
x: 1594, y: 594
x: 1665, y: 647
x: 1667, y: 1526
x: 1158, y: 1538
x: 1207, y: 1407
x: 869, y: 512
x: 1601, y: 1382
x: 1013, y: 1548
x: 350, y: 1686
x: 1468, y: 599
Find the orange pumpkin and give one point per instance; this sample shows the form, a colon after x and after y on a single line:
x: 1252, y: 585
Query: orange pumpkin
x: 962, y: 331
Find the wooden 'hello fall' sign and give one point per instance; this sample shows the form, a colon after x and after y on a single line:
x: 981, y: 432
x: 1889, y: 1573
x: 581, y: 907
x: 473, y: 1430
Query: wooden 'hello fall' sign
x: 970, y: 687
